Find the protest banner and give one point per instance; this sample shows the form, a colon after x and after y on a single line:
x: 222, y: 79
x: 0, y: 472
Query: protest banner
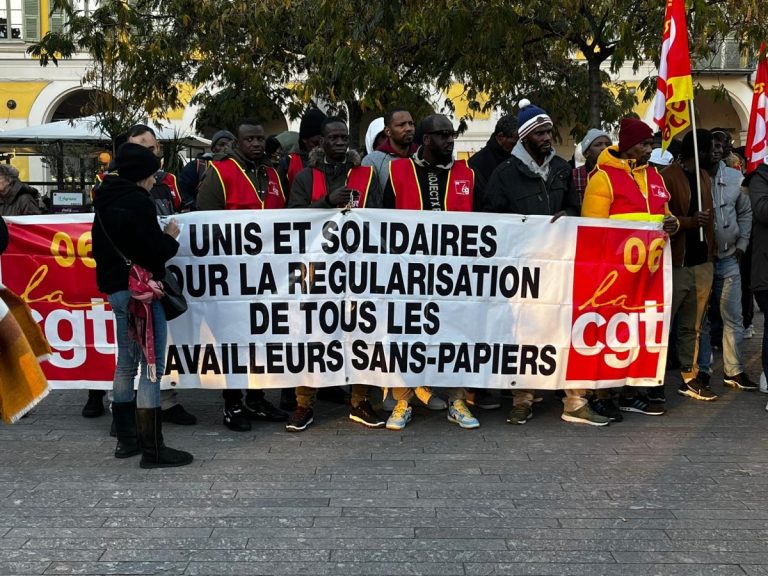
x: 283, y: 298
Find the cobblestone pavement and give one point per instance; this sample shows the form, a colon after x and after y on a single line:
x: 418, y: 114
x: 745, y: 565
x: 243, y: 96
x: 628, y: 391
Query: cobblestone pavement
x: 683, y: 494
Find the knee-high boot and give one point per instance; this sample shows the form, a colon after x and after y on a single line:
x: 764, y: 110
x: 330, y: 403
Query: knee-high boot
x: 124, y: 419
x: 154, y: 452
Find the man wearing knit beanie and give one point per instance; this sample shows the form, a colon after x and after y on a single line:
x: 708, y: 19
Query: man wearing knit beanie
x: 534, y: 180
x: 624, y: 186
x: 193, y: 171
x: 310, y: 137
x: 593, y: 143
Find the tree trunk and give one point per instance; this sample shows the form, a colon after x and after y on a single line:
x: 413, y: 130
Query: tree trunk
x: 355, y: 117
x: 595, y: 92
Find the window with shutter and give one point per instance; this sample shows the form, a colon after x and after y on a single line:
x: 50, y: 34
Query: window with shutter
x: 11, y: 20
x: 31, y: 20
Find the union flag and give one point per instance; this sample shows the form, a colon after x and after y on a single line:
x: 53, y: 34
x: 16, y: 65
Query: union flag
x: 756, y: 133
x: 674, y: 86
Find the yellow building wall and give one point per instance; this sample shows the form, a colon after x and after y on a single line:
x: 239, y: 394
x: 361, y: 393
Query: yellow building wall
x: 21, y: 163
x: 23, y: 93
x: 456, y: 94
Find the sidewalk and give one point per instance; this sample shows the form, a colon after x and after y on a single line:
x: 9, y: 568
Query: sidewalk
x: 683, y: 494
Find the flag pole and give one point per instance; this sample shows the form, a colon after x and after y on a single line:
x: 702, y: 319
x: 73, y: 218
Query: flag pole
x: 696, y: 161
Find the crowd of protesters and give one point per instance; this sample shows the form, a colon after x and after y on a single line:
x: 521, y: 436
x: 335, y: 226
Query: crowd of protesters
x: 719, y: 247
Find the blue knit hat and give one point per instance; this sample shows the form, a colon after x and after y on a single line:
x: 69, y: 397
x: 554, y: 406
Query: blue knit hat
x: 530, y: 118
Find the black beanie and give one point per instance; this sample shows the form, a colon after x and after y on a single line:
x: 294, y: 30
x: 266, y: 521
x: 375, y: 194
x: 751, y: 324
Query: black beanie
x: 311, y: 123
x: 134, y: 162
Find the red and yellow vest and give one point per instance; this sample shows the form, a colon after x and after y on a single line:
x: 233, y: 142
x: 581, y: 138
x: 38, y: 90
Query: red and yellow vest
x: 629, y: 203
x: 239, y: 191
x: 358, y: 178
x: 295, y: 165
x: 405, y: 184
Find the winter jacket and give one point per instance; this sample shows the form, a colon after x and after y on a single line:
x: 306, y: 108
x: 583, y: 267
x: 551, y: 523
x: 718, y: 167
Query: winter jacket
x: 484, y: 162
x: 599, y: 195
x: 126, y: 215
x: 21, y: 200
x: 679, y: 204
x: 733, y: 212
x: 515, y: 189
x: 757, y: 182
x: 335, y: 177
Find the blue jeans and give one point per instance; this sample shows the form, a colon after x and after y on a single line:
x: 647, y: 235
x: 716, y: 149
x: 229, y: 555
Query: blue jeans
x: 761, y: 296
x: 130, y: 356
x: 726, y: 294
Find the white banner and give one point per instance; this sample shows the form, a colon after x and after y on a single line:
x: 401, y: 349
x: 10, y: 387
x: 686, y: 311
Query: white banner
x: 282, y: 298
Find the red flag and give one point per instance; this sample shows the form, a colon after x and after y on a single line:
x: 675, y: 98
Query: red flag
x: 756, y: 134
x: 674, y: 86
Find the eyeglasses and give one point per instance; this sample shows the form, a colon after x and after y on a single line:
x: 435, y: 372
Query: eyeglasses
x: 444, y: 133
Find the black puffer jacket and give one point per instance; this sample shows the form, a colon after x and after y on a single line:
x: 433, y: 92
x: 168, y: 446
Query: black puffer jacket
x: 484, y: 162
x: 515, y: 189
x: 129, y: 217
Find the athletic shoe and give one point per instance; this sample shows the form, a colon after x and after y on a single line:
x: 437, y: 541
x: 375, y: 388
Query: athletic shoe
x: 763, y: 384
x: 656, y: 394
x: 430, y: 400
x: 640, y: 405
x: 749, y: 332
x: 458, y: 413
x: 482, y: 399
x: 519, y: 414
x: 364, y: 414
x: 235, y: 419
x: 740, y: 382
x: 585, y: 415
x: 177, y: 415
x: 606, y: 407
x: 400, y: 416
x: 262, y: 409
x: 94, y: 407
x: 698, y: 388
x: 300, y: 419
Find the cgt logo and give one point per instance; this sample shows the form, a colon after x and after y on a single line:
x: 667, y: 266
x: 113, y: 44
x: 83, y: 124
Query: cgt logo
x: 617, y: 329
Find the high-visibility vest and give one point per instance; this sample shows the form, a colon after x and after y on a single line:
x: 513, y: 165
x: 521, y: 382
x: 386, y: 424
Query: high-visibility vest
x: 170, y: 181
x: 239, y: 191
x: 459, y: 189
x: 358, y: 178
x: 295, y: 165
x: 629, y: 202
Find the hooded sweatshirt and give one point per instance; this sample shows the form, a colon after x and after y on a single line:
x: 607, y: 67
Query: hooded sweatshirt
x: 126, y: 216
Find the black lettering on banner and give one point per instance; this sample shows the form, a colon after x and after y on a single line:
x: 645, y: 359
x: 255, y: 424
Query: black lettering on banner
x: 548, y: 358
x: 420, y: 243
x: 399, y: 238
x: 252, y: 233
x: 265, y: 285
x: 262, y: 318
x: 297, y: 276
x: 528, y: 356
x: 431, y: 319
x: 282, y: 237
x: 469, y: 241
x: 330, y: 234
x: 173, y: 361
x: 462, y: 363
x: 509, y: 359
x: 418, y: 357
x: 224, y: 239
x: 359, y: 355
x: 275, y: 358
x: 488, y: 238
x: 210, y: 363
x: 203, y: 279
x: 449, y: 244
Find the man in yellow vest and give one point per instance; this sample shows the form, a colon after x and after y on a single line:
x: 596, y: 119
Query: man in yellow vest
x: 431, y: 180
x: 240, y: 179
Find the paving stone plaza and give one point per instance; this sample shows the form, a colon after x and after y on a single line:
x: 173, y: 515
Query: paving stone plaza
x: 683, y: 494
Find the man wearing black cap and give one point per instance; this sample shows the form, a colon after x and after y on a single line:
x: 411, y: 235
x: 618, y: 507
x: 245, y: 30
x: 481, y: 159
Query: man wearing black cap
x: 692, y: 258
x: 496, y: 151
x: 193, y: 172
x: 310, y: 137
x: 241, y: 178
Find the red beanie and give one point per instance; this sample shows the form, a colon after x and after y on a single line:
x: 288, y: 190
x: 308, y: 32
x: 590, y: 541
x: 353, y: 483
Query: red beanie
x: 631, y: 132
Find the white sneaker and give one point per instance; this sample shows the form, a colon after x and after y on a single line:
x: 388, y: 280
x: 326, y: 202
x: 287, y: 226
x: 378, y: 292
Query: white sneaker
x: 749, y: 332
x: 763, y: 384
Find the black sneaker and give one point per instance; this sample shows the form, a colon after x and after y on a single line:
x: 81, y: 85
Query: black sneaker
x: 482, y: 399
x: 300, y: 419
x: 235, y: 418
x: 364, y: 414
x: 177, y: 415
x: 698, y: 388
x: 740, y: 382
x: 607, y: 408
x: 262, y: 409
x: 94, y: 407
x: 656, y: 394
x: 640, y: 405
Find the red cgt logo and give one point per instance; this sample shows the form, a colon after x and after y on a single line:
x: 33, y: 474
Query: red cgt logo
x: 618, y: 304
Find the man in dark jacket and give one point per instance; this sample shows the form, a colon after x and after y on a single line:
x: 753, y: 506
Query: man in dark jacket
x: 310, y: 137
x: 192, y: 173
x: 16, y: 198
x: 757, y: 182
x: 534, y: 180
x: 496, y: 151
